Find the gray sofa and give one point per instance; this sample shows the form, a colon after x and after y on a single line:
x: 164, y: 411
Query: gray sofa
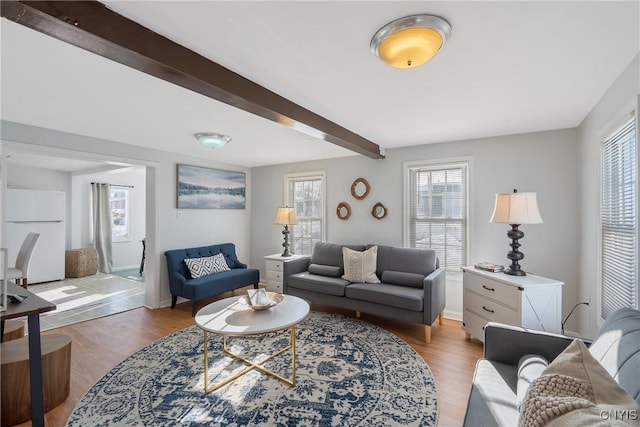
x: 412, y: 287
x: 494, y: 396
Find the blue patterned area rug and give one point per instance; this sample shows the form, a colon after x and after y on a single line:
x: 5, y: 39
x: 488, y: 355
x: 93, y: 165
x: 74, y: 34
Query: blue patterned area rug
x: 349, y: 373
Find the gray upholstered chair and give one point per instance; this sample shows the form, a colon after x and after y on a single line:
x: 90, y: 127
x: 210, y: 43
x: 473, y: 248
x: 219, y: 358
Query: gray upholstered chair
x: 493, y: 400
x: 20, y: 272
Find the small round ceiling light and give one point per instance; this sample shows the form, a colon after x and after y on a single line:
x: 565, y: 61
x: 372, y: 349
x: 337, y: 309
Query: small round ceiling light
x: 212, y: 139
x: 410, y: 41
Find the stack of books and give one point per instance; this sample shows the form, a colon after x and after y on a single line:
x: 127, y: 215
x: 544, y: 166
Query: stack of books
x: 487, y: 266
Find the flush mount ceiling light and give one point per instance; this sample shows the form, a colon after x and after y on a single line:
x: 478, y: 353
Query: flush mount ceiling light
x: 410, y: 41
x: 212, y: 140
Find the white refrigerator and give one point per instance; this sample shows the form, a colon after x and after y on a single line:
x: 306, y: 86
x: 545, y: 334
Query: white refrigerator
x: 41, y: 211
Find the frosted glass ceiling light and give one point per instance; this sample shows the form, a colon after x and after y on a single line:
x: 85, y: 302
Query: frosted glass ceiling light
x: 212, y: 140
x: 410, y: 41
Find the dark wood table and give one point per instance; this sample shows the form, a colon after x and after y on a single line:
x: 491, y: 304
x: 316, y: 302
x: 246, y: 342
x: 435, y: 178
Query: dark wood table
x: 31, y: 307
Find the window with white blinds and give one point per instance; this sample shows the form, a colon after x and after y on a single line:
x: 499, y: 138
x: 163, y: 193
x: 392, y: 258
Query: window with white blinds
x: 437, y: 211
x: 619, y: 220
x: 306, y: 193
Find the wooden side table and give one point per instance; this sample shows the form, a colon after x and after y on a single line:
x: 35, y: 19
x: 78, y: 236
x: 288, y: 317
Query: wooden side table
x: 56, y: 372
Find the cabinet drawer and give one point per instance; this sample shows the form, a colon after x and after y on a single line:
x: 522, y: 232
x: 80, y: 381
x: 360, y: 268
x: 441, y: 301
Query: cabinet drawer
x: 474, y: 324
x: 274, y: 265
x: 275, y: 287
x: 493, y: 289
x: 490, y: 309
x: 274, y: 276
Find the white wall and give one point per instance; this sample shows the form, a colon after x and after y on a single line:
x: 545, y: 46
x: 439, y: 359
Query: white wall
x: 165, y: 229
x: 544, y: 162
x: 621, y: 97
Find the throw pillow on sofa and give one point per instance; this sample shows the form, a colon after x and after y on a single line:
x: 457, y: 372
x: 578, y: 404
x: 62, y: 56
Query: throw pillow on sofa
x: 326, y: 270
x: 403, y: 278
x: 206, y: 266
x: 576, y: 390
x: 360, y: 267
x: 530, y: 368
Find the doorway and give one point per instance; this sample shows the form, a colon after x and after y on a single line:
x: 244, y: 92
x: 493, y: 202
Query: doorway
x: 33, y: 167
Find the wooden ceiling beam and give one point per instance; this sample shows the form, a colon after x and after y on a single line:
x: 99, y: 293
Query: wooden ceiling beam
x: 90, y: 25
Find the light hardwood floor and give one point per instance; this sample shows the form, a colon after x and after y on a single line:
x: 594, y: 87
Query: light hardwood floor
x: 98, y: 345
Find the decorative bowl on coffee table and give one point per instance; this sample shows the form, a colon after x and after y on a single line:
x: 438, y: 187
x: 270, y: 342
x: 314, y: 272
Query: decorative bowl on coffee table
x: 257, y: 301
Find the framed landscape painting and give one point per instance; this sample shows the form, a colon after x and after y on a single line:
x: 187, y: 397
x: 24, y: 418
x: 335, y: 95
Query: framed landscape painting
x: 206, y: 188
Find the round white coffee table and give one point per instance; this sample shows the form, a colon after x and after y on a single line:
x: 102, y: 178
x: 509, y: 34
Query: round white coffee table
x: 230, y: 317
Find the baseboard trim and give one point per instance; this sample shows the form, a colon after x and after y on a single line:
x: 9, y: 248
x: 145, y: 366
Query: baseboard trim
x: 453, y: 315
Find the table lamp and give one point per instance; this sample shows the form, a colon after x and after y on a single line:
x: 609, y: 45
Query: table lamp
x: 515, y: 209
x: 286, y: 216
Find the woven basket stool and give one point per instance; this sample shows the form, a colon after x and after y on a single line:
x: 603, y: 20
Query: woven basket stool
x: 80, y: 262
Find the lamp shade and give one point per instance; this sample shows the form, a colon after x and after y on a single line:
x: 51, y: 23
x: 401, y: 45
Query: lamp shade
x: 286, y: 216
x: 516, y: 208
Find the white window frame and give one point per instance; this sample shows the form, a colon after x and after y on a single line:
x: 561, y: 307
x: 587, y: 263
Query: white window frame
x: 127, y: 236
x: 610, y: 130
x: 288, y: 202
x: 439, y: 163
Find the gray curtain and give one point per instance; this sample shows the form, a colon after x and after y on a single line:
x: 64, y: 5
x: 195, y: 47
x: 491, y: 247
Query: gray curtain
x: 102, y: 225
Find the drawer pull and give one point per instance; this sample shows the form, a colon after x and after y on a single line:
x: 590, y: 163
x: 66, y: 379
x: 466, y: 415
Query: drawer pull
x: 488, y: 309
x: 488, y: 288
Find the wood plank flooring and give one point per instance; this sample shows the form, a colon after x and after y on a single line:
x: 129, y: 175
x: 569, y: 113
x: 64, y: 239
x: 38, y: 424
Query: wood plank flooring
x: 98, y: 345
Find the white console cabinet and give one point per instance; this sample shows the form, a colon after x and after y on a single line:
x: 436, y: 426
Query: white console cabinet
x: 529, y: 301
x: 274, y: 269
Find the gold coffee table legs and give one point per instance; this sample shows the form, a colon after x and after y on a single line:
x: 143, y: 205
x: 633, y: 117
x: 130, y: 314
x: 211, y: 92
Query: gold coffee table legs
x: 250, y: 365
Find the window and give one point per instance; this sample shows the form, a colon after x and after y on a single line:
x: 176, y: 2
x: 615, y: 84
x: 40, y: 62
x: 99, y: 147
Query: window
x: 436, y: 210
x: 119, y: 201
x: 619, y: 226
x: 305, y: 192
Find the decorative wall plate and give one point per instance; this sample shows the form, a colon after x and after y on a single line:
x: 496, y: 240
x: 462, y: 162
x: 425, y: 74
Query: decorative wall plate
x: 343, y: 211
x: 379, y: 211
x: 360, y: 188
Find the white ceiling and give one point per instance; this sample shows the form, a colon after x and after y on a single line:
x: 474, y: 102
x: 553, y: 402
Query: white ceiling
x: 508, y: 68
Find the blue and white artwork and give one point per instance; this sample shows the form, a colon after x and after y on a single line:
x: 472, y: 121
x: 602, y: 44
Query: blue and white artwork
x: 205, y: 188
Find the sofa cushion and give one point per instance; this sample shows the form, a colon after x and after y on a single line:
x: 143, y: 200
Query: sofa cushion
x: 317, y: 283
x: 360, y: 267
x: 403, y: 278
x: 326, y: 270
x: 204, y: 287
x: 492, y: 401
x: 331, y: 253
x: 575, y: 389
x: 410, y: 260
x: 530, y: 367
x: 205, y: 266
x: 395, y: 296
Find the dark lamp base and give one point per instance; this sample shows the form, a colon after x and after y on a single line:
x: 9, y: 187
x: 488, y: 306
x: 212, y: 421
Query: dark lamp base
x: 515, y: 272
x: 286, y: 243
x: 514, y: 254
